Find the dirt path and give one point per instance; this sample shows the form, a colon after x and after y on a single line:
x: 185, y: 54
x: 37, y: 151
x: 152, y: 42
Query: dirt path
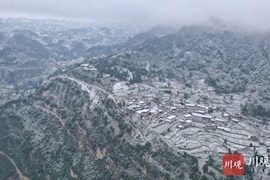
x: 21, y: 177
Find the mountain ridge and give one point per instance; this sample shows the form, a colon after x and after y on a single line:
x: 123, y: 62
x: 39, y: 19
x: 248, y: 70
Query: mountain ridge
x: 54, y: 120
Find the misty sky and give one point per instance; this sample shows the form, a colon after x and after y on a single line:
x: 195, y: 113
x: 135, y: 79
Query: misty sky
x: 254, y: 13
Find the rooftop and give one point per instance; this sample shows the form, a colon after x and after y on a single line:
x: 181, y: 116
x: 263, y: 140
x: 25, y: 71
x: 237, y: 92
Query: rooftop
x: 235, y: 120
x: 198, y: 105
x: 187, y: 115
x: 220, y: 120
x: 188, y: 121
x: 142, y: 111
x: 201, y: 115
x: 190, y: 105
x: 171, y: 117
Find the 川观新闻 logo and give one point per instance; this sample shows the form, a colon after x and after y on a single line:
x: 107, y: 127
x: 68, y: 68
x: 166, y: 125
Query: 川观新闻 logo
x: 233, y: 164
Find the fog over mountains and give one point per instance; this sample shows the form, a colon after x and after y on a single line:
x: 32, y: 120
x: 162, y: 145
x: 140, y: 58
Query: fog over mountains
x: 133, y: 89
x: 248, y: 13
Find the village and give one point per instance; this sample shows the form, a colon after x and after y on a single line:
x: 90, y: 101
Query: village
x: 192, y: 118
x: 201, y: 123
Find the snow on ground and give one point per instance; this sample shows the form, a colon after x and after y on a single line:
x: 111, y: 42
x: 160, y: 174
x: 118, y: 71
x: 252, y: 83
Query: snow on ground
x: 120, y: 88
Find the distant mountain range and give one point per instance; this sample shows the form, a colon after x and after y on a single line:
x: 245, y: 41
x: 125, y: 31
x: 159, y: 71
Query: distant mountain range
x: 69, y: 125
x: 230, y: 61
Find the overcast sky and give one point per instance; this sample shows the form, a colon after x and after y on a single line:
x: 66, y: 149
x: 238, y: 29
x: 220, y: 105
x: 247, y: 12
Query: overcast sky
x: 255, y: 13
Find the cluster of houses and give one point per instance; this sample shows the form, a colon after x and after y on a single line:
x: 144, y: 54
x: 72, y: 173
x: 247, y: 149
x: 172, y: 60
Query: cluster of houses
x: 91, y: 69
x: 181, y: 116
x: 88, y: 67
